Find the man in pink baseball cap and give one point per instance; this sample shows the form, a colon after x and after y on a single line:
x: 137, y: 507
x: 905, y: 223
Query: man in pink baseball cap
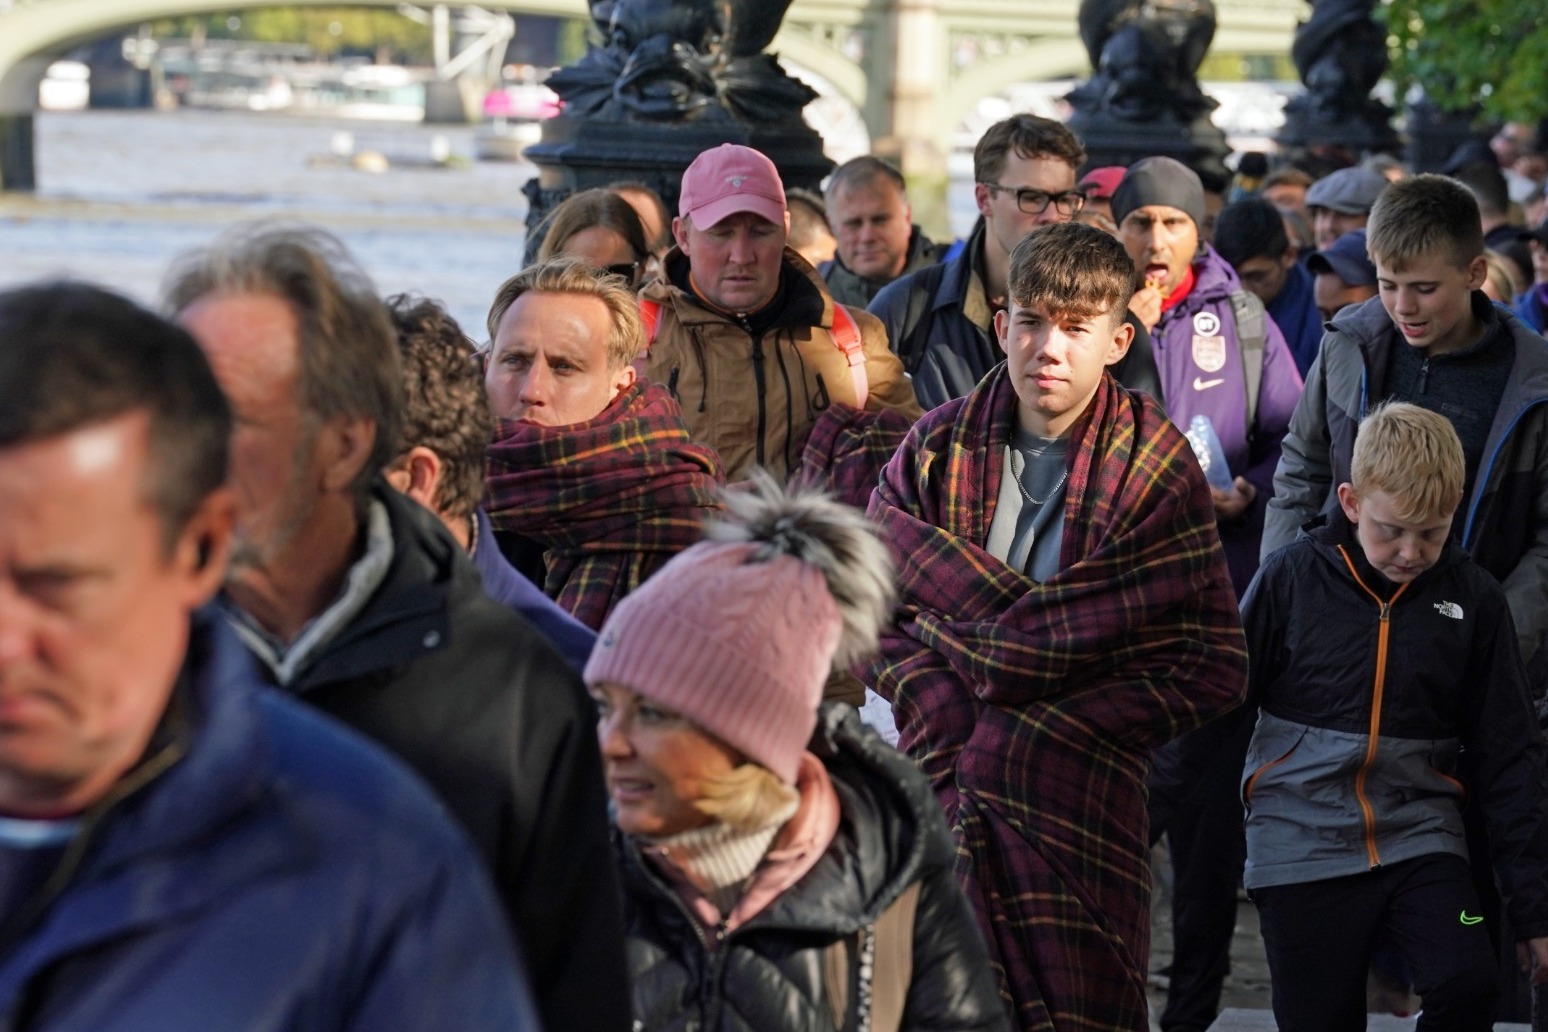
x: 745, y: 334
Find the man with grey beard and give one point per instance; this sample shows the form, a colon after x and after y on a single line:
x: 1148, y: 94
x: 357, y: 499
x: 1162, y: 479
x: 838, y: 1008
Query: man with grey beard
x: 358, y: 601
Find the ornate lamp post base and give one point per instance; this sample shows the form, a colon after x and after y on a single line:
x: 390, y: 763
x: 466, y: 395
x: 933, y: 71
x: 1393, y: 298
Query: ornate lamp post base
x: 1144, y: 98
x: 674, y: 80
x: 1111, y: 140
x: 577, y: 153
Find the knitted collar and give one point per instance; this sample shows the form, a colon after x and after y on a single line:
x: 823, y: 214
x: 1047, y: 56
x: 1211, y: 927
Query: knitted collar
x: 717, y: 859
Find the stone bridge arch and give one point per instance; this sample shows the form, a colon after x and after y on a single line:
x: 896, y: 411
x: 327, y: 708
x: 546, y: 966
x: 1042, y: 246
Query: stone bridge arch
x: 897, y: 61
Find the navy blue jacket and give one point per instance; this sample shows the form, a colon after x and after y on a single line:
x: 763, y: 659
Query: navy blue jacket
x: 278, y: 873
x: 504, y: 583
x: 1294, y: 311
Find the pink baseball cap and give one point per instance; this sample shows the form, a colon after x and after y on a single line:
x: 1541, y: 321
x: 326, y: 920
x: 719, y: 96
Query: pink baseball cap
x: 1102, y: 182
x: 731, y: 179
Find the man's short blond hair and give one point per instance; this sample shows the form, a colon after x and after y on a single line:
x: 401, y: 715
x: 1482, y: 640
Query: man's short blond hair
x: 1414, y: 456
x: 565, y: 274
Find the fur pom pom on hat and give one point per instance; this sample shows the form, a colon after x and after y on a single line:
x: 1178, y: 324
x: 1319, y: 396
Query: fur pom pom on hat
x: 739, y: 632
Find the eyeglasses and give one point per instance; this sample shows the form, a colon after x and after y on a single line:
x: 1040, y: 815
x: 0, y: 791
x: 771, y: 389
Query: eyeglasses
x: 627, y: 270
x: 1035, y: 202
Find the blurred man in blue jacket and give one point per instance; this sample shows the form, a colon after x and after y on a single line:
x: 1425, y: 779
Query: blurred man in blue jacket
x: 181, y: 848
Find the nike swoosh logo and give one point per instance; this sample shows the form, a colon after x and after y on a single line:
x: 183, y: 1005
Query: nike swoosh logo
x: 1201, y: 384
x: 1470, y: 920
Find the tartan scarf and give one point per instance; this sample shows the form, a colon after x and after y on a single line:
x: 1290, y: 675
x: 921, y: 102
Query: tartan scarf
x: 1033, y: 707
x: 847, y: 449
x: 611, y: 500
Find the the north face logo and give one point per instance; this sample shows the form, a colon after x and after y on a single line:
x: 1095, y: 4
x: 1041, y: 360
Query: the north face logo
x: 736, y: 181
x: 1450, y: 609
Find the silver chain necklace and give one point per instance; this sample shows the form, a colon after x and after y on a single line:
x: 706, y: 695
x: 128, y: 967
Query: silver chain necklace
x: 1018, y: 467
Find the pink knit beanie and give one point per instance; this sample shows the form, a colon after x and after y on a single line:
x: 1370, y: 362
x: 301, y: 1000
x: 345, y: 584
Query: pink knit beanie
x: 739, y: 644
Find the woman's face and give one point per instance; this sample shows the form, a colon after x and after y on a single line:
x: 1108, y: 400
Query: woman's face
x: 603, y: 248
x: 656, y: 763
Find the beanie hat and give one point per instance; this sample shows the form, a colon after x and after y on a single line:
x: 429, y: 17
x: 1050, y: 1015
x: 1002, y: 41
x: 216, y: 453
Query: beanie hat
x: 729, y: 179
x: 739, y: 634
x: 1160, y: 181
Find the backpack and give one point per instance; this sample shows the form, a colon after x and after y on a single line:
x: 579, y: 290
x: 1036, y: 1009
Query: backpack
x: 845, y: 333
x: 1252, y: 335
x: 873, y: 969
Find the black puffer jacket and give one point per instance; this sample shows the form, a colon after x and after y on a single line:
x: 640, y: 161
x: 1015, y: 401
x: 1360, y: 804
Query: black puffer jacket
x: 471, y: 696
x: 766, y: 976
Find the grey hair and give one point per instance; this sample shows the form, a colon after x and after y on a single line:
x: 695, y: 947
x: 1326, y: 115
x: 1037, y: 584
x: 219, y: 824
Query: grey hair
x: 833, y: 538
x: 347, y: 345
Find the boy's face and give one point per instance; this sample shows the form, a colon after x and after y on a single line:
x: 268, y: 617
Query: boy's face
x: 1055, y: 361
x: 1430, y: 301
x: 1399, y: 549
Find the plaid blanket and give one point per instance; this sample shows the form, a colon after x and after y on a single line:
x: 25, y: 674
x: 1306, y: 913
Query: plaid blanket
x: 1033, y: 707
x: 847, y: 449
x: 610, y: 500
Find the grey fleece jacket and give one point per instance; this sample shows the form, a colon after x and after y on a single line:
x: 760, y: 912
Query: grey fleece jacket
x: 1503, y: 523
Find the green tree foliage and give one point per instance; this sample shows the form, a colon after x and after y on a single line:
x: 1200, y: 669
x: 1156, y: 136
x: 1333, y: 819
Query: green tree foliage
x: 384, y: 34
x: 1465, y: 52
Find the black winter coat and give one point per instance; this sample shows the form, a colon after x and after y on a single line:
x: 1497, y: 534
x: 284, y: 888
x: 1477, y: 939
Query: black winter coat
x: 766, y: 976
x: 1432, y: 672
x: 475, y: 699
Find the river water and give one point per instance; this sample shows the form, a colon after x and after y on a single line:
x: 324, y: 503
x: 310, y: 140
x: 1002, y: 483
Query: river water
x: 122, y: 193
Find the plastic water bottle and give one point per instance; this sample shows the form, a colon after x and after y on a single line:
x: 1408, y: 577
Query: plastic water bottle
x: 1206, y: 446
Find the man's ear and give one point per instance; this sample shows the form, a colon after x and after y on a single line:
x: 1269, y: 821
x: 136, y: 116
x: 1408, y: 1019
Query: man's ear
x: 623, y: 379
x: 1123, y: 336
x: 346, y: 444
x: 1002, y: 329
x: 982, y: 197
x: 417, y: 473
x: 1349, y: 502
x: 202, y: 551
x: 680, y: 233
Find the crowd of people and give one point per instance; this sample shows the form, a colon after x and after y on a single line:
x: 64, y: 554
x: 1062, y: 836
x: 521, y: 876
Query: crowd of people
x: 783, y: 621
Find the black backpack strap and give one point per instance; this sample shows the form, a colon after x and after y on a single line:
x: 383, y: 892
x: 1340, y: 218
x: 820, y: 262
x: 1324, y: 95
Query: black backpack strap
x: 1252, y: 336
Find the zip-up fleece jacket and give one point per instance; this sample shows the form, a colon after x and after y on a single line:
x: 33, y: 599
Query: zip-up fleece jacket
x: 1504, y: 524
x: 1382, y: 711
x: 754, y: 397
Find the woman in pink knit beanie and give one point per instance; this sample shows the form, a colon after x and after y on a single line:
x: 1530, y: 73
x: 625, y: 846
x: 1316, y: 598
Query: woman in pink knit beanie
x: 783, y: 867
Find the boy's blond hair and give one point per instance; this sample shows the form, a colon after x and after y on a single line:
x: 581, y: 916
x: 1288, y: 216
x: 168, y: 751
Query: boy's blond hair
x: 1414, y: 456
x: 1424, y: 215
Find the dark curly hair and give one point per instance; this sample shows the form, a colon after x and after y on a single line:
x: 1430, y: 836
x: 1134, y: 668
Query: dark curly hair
x: 445, y: 408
